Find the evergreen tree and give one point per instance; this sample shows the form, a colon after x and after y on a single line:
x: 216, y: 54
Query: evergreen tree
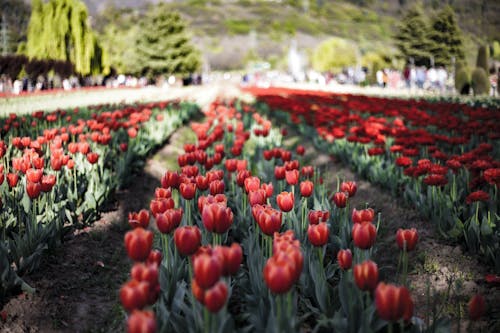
x: 412, y: 37
x: 163, y: 46
x: 446, y: 38
x: 482, y: 58
x: 59, y: 30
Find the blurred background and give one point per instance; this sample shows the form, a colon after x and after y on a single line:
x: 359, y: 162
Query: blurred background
x: 431, y: 46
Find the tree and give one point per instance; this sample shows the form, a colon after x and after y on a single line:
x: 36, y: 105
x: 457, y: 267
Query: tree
x: 412, y: 38
x: 16, y: 14
x: 59, y: 30
x: 163, y: 46
x: 446, y: 38
x: 482, y: 58
x: 334, y: 54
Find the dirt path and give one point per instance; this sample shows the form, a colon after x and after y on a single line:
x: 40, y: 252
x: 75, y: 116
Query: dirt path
x: 435, y: 263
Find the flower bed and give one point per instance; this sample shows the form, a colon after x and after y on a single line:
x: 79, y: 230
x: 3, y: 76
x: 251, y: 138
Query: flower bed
x: 442, y: 158
x: 59, y: 168
x: 250, y: 241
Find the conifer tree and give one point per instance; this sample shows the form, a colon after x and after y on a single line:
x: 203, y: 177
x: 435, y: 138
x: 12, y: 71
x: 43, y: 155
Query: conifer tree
x: 446, y: 38
x: 163, y: 46
x: 482, y: 58
x: 412, y: 37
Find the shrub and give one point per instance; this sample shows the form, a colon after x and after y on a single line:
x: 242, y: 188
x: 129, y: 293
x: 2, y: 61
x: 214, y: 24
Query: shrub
x: 462, y: 80
x: 482, y: 58
x: 480, y: 82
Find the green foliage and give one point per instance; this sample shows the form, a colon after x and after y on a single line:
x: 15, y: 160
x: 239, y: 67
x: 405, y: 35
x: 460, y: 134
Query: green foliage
x: 412, y: 38
x: 495, y: 50
x: 116, y: 29
x: 163, y: 46
x: 59, y: 30
x: 480, y: 82
x: 446, y: 38
x: 462, y: 80
x: 17, y: 14
x: 238, y: 27
x: 482, y: 58
x: 334, y: 54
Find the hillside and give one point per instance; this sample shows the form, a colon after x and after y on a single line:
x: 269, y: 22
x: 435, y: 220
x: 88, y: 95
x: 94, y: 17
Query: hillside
x: 231, y: 32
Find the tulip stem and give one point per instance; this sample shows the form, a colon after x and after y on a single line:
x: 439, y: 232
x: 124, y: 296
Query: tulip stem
x: 278, y: 311
x: 166, y: 251
x: 320, y: 256
x: 188, y: 212
x: 206, y: 320
x: 389, y: 328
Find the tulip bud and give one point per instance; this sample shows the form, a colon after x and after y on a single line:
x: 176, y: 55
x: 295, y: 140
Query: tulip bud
x: 318, y: 234
x: 366, y: 275
x: 407, y: 239
x: 187, y: 239
x: 138, y: 243
x: 364, y: 235
x: 344, y: 258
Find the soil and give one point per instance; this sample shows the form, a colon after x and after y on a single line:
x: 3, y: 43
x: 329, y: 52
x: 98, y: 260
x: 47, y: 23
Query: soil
x: 77, y: 286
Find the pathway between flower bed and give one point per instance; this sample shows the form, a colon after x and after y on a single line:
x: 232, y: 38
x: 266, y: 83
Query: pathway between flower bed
x: 434, y: 263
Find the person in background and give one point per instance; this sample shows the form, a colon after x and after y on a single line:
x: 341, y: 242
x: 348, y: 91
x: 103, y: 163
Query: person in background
x: 380, y: 78
x: 421, y: 76
x: 407, y: 76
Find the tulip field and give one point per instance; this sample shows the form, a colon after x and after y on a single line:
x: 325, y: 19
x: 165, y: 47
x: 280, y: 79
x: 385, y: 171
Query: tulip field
x: 247, y: 233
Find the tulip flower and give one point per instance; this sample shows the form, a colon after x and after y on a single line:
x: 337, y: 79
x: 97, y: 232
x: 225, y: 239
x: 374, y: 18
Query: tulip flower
x: 393, y: 303
x: 217, y: 217
x: 216, y: 187
x: 407, y: 239
x: 207, y: 270
x: 364, y: 215
x: 169, y: 220
x: 268, y: 219
x: 364, y: 234
x: 279, y: 273
x: 340, y: 199
x: 285, y: 201
x: 141, y: 322
x: 138, y: 243
x: 187, y: 239
x: 318, y: 234
x: 216, y: 297
x: 140, y: 219
x: 477, y: 307
x: 306, y: 188
x: 349, y: 187
x: 344, y: 259
x: 187, y: 190
x: 366, y: 275
x: 292, y: 177
x: 134, y: 295
x: 170, y: 179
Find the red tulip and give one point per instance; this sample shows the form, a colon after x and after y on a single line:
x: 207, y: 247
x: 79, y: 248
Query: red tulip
x: 92, y: 157
x: 349, y: 187
x: 279, y: 273
x: 340, y: 199
x: 393, y: 303
x: 198, y: 292
x: 307, y: 171
x: 187, y: 239
x: 134, y: 294
x: 154, y: 257
x: 407, y: 239
x: 366, y: 275
x: 209, y: 199
x: 161, y: 205
x: 187, y: 190
x: 344, y: 258
x: 268, y: 154
x: 477, y: 307
x: 12, y: 179
x: 123, y: 147
x: 217, y: 217
x: 279, y: 172
x: 216, y: 297
x: 56, y: 162
x: 216, y: 187
x: 252, y: 184
x: 163, y: 193
x: 365, y: 215
x: 285, y: 201
x: 138, y: 243
x: 268, y: 188
x: 268, y: 219
x: 207, y: 270
x: 140, y: 219
x: 47, y: 183
x: 231, y: 164
x: 169, y: 220
x: 34, y: 175
x: 317, y: 216
x: 233, y: 257
x: 364, y: 235
x: 292, y: 177
x: 141, y: 322
x: 170, y: 179
x: 306, y: 188
x: 241, y: 176
x: 300, y: 150
x: 202, y: 182
x: 33, y: 189
x: 318, y: 234
x: 257, y: 197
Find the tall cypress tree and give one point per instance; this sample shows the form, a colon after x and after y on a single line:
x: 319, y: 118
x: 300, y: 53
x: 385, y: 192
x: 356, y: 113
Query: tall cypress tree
x: 58, y: 30
x: 163, y: 46
x: 446, y: 38
x: 412, y: 37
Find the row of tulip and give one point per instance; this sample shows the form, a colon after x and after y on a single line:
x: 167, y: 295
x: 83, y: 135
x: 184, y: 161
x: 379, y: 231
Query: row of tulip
x: 443, y: 158
x: 57, y: 170
x: 250, y: 241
